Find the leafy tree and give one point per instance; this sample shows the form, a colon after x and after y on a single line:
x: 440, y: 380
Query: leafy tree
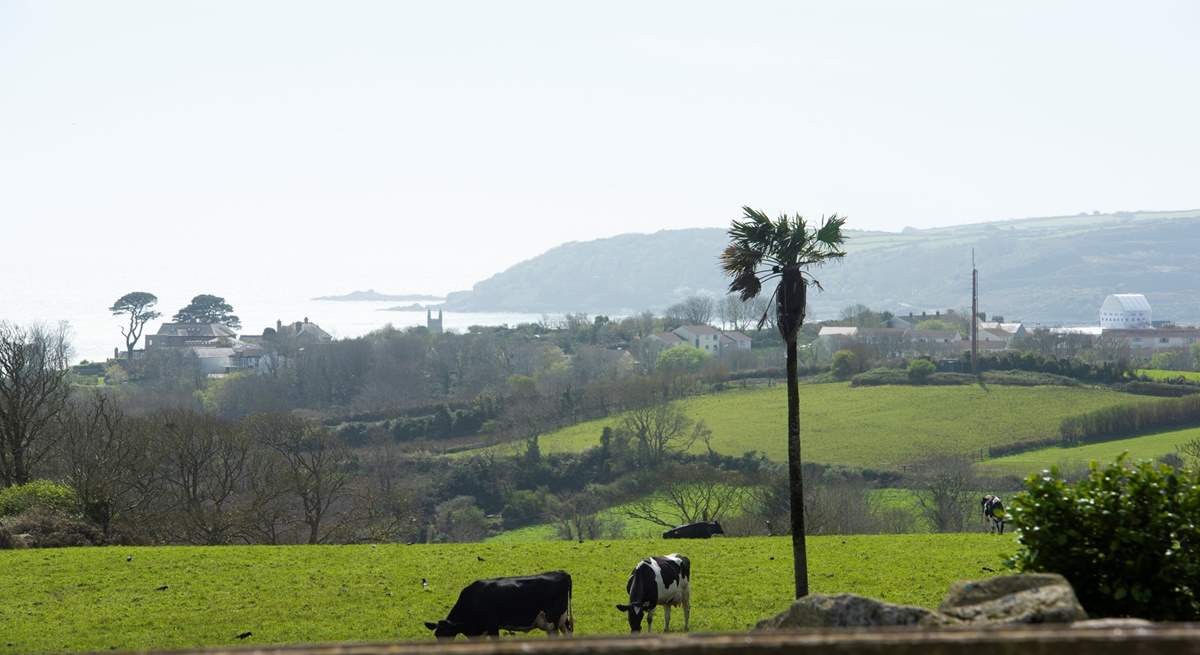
x: 681, y: 358
x: 845, y: 364
x: 761, y: 250
x: 139, y: 306
x: 919, y: 370
x: 205, y: 308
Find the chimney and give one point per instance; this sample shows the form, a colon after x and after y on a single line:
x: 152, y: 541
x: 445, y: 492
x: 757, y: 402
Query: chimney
x: 306, y: 320
x: 278, y: 325
x: 116, y: 353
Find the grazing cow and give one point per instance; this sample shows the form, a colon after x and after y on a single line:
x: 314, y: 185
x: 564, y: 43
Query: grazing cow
x: 993, y: 513
x: 518, y: 604
x: 702, y: 530
x: 658, y: 581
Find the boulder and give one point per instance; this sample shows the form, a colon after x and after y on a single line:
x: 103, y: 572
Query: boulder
x: 849, y: 610
x: 1022, y: 598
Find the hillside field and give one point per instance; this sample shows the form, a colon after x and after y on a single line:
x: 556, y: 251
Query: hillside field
x: 882, y: 427
x: 1160, y: 374
x: 93, y: 599
x: 1149, y: 446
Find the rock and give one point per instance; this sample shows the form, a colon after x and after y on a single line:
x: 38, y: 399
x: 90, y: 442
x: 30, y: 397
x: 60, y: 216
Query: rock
x: 1112, y: 623
x: 849, y: 610
x: 24, y: 540
x: 1023, y: 598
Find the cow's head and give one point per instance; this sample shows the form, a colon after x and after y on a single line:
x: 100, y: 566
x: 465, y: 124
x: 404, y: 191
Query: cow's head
x: 444, y: 630
x: 716, y: 528
x: 635, y: 612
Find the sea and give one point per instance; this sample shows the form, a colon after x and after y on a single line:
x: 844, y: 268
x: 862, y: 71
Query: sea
x: 95, y: 332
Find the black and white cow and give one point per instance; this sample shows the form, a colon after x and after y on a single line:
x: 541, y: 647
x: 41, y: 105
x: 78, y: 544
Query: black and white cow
x: 517, y: 604
x: 993, y: 513
x: 655, y: 581
x: 702, y: 530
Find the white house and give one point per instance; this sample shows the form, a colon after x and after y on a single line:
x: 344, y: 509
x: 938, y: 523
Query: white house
x: 704, y: 337
x: 735, y: 341
x: 1125, y: 311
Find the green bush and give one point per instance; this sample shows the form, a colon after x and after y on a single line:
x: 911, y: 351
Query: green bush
x: 920, y: 369
x: 37, y: 495
x: 1126, y: 537
x: 845, y: 364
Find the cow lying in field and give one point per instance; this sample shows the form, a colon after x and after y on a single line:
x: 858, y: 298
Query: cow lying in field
x: 517, y: 604
x: 993, y: 513
x: 656, y: 581
x: 702, y: 530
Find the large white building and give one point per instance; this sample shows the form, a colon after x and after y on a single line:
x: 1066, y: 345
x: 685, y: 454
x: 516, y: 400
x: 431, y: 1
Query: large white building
x: 1125, y: 311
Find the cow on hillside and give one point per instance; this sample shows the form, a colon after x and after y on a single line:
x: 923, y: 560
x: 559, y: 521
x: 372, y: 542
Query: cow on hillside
x: 517, y: 604
x: 655, y: 581
x: 702, y: 530
x: 993, y: 513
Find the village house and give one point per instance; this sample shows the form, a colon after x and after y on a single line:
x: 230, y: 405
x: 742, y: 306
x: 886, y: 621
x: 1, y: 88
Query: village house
x: 704, y: 337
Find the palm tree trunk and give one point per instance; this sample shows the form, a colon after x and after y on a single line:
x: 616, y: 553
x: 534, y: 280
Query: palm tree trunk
x: 795, y: 473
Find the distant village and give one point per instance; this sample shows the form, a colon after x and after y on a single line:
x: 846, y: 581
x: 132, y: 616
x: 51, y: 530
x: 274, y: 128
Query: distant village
x: 1124, y: 318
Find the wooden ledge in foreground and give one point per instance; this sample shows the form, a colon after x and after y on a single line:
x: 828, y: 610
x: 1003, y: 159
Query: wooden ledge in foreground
x: 1158, y: 639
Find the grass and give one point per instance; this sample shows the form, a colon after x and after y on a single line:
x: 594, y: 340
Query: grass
x: 882, y: 427
x: 1149, y: 446
x: 1160, y: 374
x: 92, y: 599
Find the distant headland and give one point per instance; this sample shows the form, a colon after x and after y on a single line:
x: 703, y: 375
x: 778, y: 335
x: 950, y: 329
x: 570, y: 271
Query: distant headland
x: 373, y: 295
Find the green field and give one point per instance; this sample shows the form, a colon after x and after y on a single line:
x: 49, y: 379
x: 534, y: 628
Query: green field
x: 1149, y: 446
x: 876, y: 427
x: 93, y: 599
x: 1160, y: 374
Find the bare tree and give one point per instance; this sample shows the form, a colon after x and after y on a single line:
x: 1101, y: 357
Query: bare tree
x: 203, y: 463
x: 698, y: 310
x: 33, y: 390
x: 690, y: 493
x: 733, y: 312
x: 105, y: 459
x: 578, y: 517
x: 659, y: 428
x: 315, y: 469
x: 947, y: 492
x: 1190, y: 453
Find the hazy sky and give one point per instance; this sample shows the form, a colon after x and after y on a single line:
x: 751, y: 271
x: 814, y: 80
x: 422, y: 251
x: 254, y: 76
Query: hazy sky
x: 315, y: 148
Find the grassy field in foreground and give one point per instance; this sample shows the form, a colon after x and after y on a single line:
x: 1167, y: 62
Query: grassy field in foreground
x: 1160, y: 374
x: 1149, y: 446
x: 876, y: 427
x: 93, y: 599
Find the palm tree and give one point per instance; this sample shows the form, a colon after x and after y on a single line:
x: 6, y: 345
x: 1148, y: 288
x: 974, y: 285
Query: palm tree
x: 761, y: 250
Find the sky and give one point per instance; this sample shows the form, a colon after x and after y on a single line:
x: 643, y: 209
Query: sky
x: 304, y: 149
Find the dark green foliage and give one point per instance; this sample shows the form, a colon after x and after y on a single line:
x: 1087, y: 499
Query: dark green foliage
x: 1169, y: 388
x: 206, y: 308
x: 1134, y: 418
x: 1011, y: 360
x: 1126, y: 537
x: 845, y: 364
x: 919, y: 370
x: 442, y: 423
x: 42, y: 495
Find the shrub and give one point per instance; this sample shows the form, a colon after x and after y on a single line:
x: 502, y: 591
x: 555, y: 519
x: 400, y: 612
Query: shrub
x: 37, y: 495
x: 1125, y: 536
x: 54, y: 530
x: 920, y: 369
x: 845, y: 364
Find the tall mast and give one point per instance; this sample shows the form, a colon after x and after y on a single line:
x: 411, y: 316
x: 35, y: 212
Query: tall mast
x: 974, y: 316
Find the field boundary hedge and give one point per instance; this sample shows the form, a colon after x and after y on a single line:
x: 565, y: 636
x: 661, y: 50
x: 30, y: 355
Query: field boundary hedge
x: 1113, y: 423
